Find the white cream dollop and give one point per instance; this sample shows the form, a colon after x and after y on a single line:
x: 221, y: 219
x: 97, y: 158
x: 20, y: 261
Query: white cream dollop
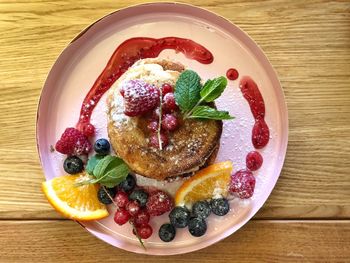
x: 151, y: 73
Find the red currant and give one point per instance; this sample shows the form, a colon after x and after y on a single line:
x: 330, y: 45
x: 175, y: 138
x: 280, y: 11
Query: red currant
x: 154, y: 141
x: 121, y: 199
x: 153, y: 126
x: 141, y: 218
x: 144, y: 231
x: 169, y: 102
x: 121, y: 216
x: 133, y: 208
x: 170, y: 122
x: 166, y: 88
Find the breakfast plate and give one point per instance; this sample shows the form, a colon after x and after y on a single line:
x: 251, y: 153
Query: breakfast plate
x: 228, y: 51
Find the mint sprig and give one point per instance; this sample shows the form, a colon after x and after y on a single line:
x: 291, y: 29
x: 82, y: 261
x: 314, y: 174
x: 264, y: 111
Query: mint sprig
x: 108, y: 171
x: 189, y: 95
x: 92, y: 162
x: 206, y: 112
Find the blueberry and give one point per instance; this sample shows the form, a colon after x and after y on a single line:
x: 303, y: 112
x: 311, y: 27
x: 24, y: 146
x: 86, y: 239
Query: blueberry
x: 201, y: 209
x: 73, y: 165
x: 102, y: 146
x: 128, y: 184
x: 103, y: 197
x: 167, y: 232
x: 140, y: 196
x: 220, y: 206
x: 179, y: 217
x: 197, y: 226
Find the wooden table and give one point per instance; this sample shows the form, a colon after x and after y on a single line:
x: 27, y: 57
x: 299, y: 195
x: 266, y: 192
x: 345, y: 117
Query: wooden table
x: 307, y: 217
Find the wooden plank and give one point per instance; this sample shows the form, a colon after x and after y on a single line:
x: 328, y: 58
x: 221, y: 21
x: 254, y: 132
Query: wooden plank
x: 258, y: 241
x: 308, y: 42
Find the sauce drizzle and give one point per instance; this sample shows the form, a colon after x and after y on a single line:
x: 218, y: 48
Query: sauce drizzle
x: 232, y: 74
x: 260, y: 132
x: 126, y: 55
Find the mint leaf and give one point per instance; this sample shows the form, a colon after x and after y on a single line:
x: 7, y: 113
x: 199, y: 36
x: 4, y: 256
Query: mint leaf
x: 102, y: 166
x: 206, y: 112
x: 92, y: 162
x: 110, y: 171
x: 212, y: 89
x: 187, y: 90
x: 115, y: 176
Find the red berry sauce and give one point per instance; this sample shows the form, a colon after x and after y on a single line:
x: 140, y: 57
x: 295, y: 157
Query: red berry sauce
x: 232, y: 74
x: 126, y: 55
x: 250, y: 91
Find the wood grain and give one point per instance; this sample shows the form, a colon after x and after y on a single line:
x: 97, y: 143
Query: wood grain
x: 308, y: 42
x: 258, y: 241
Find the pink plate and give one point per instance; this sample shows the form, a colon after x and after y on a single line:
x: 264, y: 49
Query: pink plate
x: 84, y: 59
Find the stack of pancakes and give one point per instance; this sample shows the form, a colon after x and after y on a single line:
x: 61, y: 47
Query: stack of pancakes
x: 192, y: 146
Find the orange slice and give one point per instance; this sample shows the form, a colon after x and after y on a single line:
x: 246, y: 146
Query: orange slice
x: 205, y: 184
x: 74, y: 202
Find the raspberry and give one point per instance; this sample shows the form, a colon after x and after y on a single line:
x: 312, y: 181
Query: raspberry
x: 87, y: 129
x: 254, y: 160
x: 73, y: 142
x: 121, y: 199
x: 167, y: 88
x: 170, y: 122
x: 121, y: 217
x: 154, y: 141
x: 243, y: 184
x: 169, y: 102
x: 139, y: 97
x: 159, y: 203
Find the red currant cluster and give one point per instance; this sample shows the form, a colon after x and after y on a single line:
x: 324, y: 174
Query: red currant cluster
x: 136, y: 205
x: 169, y: 118
x: 131, y: 210
x: 141, y: 98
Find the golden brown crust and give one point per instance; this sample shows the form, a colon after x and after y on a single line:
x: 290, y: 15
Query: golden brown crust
x: 192, y: 145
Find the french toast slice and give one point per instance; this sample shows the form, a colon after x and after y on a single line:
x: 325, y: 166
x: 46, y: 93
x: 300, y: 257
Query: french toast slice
x: 193, y: 145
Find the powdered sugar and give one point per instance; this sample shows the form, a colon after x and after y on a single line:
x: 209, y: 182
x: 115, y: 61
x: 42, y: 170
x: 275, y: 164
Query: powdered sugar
x: 149, y: 73
x: 117, y: 111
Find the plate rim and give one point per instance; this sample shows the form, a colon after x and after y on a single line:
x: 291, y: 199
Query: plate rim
x: 273, y: 73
